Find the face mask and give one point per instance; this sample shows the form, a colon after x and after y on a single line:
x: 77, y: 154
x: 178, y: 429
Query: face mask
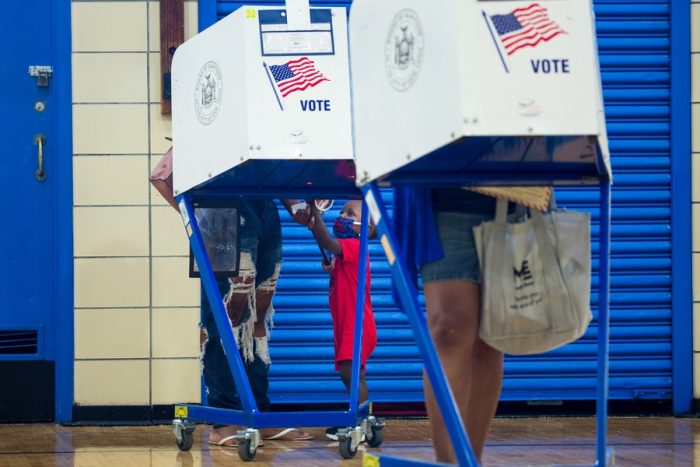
x: 343, y: 228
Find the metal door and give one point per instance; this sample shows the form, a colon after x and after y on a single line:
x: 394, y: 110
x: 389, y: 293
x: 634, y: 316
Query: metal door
x: 27, y: 238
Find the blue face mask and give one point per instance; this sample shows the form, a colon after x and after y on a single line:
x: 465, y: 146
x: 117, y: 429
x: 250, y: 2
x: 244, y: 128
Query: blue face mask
x: 343, y: 228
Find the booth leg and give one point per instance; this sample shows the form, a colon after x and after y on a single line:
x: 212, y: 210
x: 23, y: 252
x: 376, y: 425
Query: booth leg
x: 371, y: 427
x: 359, y: 311
x: 603, y: 457
x: 211, y: 288
x: 409, y: 302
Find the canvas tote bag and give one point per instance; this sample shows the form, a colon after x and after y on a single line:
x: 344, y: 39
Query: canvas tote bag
x: 536, y: 280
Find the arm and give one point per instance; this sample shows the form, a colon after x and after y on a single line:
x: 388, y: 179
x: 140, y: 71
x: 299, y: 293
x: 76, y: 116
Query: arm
x: 288, y: 203
x: 302, y: 216
x: 323, y: 237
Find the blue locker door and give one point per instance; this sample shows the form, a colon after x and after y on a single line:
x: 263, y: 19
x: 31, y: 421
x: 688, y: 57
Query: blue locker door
x: 27, y: 245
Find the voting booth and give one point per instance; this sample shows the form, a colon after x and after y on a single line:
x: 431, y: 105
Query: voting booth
x: 508, y: 82
x: 261, y: 109
x: 468, y: 93
x: 257, y: 90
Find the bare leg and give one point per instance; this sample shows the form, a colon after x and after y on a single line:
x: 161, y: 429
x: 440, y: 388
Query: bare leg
x: 235, y: 310
x: 236, y: 306
x: 262, y: 304
x: 346, y: 376
x: 474, y: 370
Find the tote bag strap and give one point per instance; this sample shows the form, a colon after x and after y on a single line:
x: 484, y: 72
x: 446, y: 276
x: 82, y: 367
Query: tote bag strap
x: 498, y: 250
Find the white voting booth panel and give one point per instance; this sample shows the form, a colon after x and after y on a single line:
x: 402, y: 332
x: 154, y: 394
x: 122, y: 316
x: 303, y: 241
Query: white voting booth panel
x: 426, y: 74
x: 261, y: 84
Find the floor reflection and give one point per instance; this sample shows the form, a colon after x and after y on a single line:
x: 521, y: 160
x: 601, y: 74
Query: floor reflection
x: 652, y: 441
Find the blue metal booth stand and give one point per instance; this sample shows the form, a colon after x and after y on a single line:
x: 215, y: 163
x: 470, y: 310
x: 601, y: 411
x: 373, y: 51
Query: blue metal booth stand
x: 290, y: 180
x: 423, y: 128
x: 242, y: 137
x: 319, y: 180
x: 445, y: 97
x: 460, y: 165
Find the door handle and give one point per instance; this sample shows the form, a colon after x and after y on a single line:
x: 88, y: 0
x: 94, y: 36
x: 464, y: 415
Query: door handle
x: 40, y: 141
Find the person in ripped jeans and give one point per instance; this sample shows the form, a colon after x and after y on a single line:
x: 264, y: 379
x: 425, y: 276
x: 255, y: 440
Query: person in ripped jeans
x: 248, y: 301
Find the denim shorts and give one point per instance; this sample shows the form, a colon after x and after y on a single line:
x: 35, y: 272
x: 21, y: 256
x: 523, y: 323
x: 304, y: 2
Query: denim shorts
x: 460, y: 261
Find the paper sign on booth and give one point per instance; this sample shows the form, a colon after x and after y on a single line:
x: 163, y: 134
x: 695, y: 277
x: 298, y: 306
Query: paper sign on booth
x: 298, y: 14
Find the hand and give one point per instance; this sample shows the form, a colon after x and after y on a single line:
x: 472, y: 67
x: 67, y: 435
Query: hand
x: 328, y: 267
x: 303, y: 216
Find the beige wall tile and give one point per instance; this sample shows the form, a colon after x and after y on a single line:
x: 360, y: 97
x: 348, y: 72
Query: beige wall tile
x: 191, y: 19
x: 191, y: 23
x: 110, y: 129
x: 175, y: 332
x: 110, y: 231
x: 168, y: 233
x: 161, y: 126
x: 696, y: 375
x: 695, y: 29
x: 110, y: 180
x: 113, y: 77
x: 112, y: 334
x: 111, y: 282
x: 695, y: 82
x: 696, y: 327
x: 176, y: 381
x: 696, y: 277
x: 696, y: 231
x: 696, y: 177
x: 696, y: 127
x: 109, y: 26
x: 154, y: 77
x: 171, y: 284
x: 111, y: 382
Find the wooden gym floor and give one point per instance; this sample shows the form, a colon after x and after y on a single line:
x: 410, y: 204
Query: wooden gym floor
x: 522, y: 441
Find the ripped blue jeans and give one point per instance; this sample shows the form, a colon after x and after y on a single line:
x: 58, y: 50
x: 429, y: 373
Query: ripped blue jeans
x: 261, y: 257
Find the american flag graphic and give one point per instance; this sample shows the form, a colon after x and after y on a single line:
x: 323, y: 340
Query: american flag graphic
x: 296, y: 75
x: 525, y: 27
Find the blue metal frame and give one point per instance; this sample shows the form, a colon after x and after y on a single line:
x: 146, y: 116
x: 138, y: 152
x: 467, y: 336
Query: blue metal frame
x: 250, y: 415
x: 408, y: 296
x: 603, y: 326
x: 681, y: 208
x: 62, y: 79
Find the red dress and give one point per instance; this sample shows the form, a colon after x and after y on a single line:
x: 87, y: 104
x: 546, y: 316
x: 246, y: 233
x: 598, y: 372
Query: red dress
x: 342, y: 296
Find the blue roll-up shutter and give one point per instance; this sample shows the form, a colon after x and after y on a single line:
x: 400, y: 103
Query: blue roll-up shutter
x: 634, y: 42
x: 634, y: 45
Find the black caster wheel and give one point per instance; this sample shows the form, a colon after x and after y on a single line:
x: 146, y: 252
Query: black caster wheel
x: 375, y: 437
x: 184, y: 443
x: 345, y: 448
x: 245, y: 450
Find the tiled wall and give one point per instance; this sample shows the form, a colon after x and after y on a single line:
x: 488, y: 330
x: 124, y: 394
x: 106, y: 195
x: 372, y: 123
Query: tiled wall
x: 695, y: 83
x: 136, y: 312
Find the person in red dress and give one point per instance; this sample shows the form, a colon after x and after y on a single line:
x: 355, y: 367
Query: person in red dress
x: 343, y: 269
